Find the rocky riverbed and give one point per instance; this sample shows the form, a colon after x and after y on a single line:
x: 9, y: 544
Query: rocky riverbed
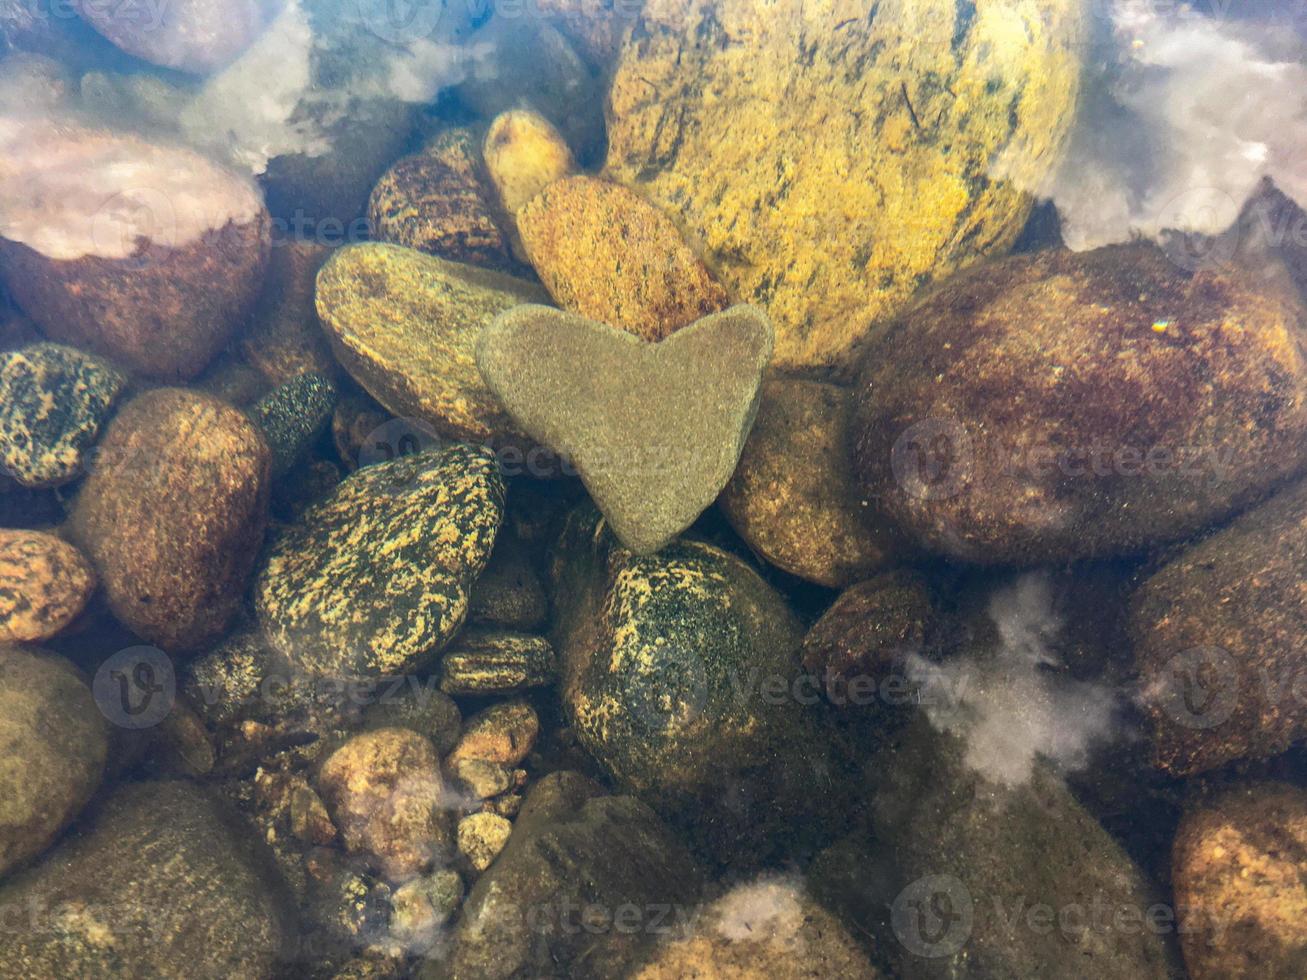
x: 596, y: 489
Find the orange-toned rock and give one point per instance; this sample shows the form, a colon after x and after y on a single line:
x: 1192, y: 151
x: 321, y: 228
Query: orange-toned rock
x: 606, y: 253
x: 44, y: 584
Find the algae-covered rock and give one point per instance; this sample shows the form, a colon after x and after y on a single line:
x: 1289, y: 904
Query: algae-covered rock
x: 680, y: 675
x: 1062, y: 405
x: 609, y: 255
x: 1239, y: 869
x: 547, y: 907
x: 792, y: 498
x: 827, y: 163
x: 374, y: 579
x: 53, y: 746
x: 1219, y: 643
x: 53, y: 401
x: 485, y: 661
x: 405, y: 325
x: 983, y: 879
x: 438, y: 201
x: 766, y: 927
x: 44, y: 585
x: 172, y: 515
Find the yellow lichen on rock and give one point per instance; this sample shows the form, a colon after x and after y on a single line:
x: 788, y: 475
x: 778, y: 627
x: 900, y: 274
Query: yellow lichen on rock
x: 828, y: 163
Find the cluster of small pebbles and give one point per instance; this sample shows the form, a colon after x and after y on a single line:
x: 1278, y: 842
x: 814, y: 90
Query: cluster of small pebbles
x: 539, y: 580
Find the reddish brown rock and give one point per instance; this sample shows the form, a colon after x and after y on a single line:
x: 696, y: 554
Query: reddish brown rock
x: 1219, y: 643
x: 44, y: 584
x: 1239, y: 869
x: 172, y: 515
x: 284, y: 338
x: 149, y: 254
x: 1064, y: 405
x: 606, y: 253
x: 867, y: 628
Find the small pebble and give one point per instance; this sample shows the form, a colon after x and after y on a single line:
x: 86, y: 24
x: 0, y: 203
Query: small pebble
x: 503, y: 733
x: 44, y: 584
x: 481, y: 836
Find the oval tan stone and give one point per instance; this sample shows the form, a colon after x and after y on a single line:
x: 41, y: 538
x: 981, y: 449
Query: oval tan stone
x: 44, y: 584
x: 827, y: 163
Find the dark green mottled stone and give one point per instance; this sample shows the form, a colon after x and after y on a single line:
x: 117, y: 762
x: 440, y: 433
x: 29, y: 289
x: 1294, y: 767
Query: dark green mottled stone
x: 293, y: 415
x: 484, y: 661
x: 53, y: 401
x: 680, y: 673
x: 374, y: 580
x: 161, y: 881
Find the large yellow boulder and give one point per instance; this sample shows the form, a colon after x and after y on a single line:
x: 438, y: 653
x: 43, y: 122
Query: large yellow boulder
x: 826, y: 161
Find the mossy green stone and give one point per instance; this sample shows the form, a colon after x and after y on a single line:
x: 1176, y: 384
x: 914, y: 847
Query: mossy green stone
x: 485, y: 661
x: 53, y: 401
x: 374, y: 579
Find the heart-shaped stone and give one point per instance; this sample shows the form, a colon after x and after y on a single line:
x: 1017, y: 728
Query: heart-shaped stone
x: 654, y: 429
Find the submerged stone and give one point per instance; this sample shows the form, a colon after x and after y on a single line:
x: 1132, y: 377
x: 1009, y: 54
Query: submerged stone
x: 827, y: 163
x: 1218, y: 641
x: 53, y: 402
x: 1066, y: 405
x: 45, y: 584
x: 374, y: 580
x: 405, y: 325
x: 654, y: 430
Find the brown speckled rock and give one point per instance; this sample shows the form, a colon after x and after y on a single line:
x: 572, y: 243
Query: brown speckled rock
x: 405, y: 325
x: 765, y: 928
x: 827, y: 162
x: 44, y: 584
x: 53, y: 401
x: 792, y: 497
x: 172, y: 515
x: 1060, y: 405
x: 867, y: 628
x: 53, y: 746
x: 386, y: 795
x: 1239, y: 869
x: 607, y: 254
x: 437, y: 201
x: 374, y: 580
x: 150, y: 255
x: 284, y: 338
x: 481, y: 836
x: 120, y: 897
x: 503, y: 733
x: 1219, y: 642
